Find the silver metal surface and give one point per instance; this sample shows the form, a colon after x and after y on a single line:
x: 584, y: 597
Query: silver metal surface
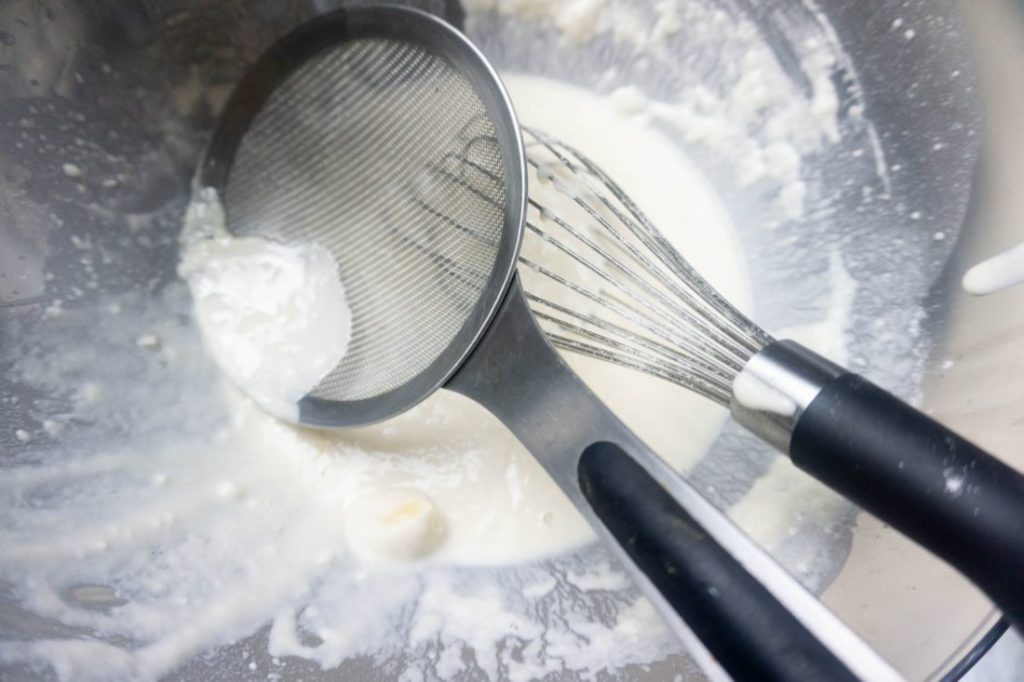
x: 796, y: 374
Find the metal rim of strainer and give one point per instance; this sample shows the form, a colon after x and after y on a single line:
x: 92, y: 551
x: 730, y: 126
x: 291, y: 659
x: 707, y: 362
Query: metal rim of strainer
x: 431, y: 33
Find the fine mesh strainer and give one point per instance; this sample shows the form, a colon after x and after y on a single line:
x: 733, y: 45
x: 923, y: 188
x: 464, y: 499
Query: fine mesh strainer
x: 383, y: 135
x: 384, y: 124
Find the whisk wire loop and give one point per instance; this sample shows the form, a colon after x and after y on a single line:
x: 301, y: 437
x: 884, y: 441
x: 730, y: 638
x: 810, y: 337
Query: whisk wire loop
x: 633, y: 299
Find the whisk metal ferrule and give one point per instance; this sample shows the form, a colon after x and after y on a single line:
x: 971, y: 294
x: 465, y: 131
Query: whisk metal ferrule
x: 776, y: 386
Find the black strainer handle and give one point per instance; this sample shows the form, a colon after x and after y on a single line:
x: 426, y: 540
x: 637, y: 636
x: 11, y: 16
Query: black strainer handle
x: 751, y: 634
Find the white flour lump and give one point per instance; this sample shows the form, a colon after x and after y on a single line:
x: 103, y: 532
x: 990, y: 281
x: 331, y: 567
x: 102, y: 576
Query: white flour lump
x: 273, y: 316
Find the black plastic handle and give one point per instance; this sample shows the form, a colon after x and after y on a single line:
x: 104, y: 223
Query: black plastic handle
x: 751, y: 634
x: 926, y: 481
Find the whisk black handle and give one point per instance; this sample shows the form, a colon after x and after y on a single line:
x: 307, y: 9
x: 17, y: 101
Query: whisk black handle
x: 929, y: 483
x: 751, y: 634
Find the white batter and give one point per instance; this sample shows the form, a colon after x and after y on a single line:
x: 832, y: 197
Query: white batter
x: 274, y: 317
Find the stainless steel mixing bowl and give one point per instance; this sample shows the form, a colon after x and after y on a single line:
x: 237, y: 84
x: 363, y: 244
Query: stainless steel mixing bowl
x: 130, y: 88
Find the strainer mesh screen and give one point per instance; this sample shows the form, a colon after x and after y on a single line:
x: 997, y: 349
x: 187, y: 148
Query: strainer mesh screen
x: 381, y: 152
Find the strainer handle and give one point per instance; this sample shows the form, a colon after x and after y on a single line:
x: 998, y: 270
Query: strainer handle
x: 720, y: 582
x: 746, y: 628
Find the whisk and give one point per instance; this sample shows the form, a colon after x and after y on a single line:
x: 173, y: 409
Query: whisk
x: 623, y: 294
x: 651, y: 310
